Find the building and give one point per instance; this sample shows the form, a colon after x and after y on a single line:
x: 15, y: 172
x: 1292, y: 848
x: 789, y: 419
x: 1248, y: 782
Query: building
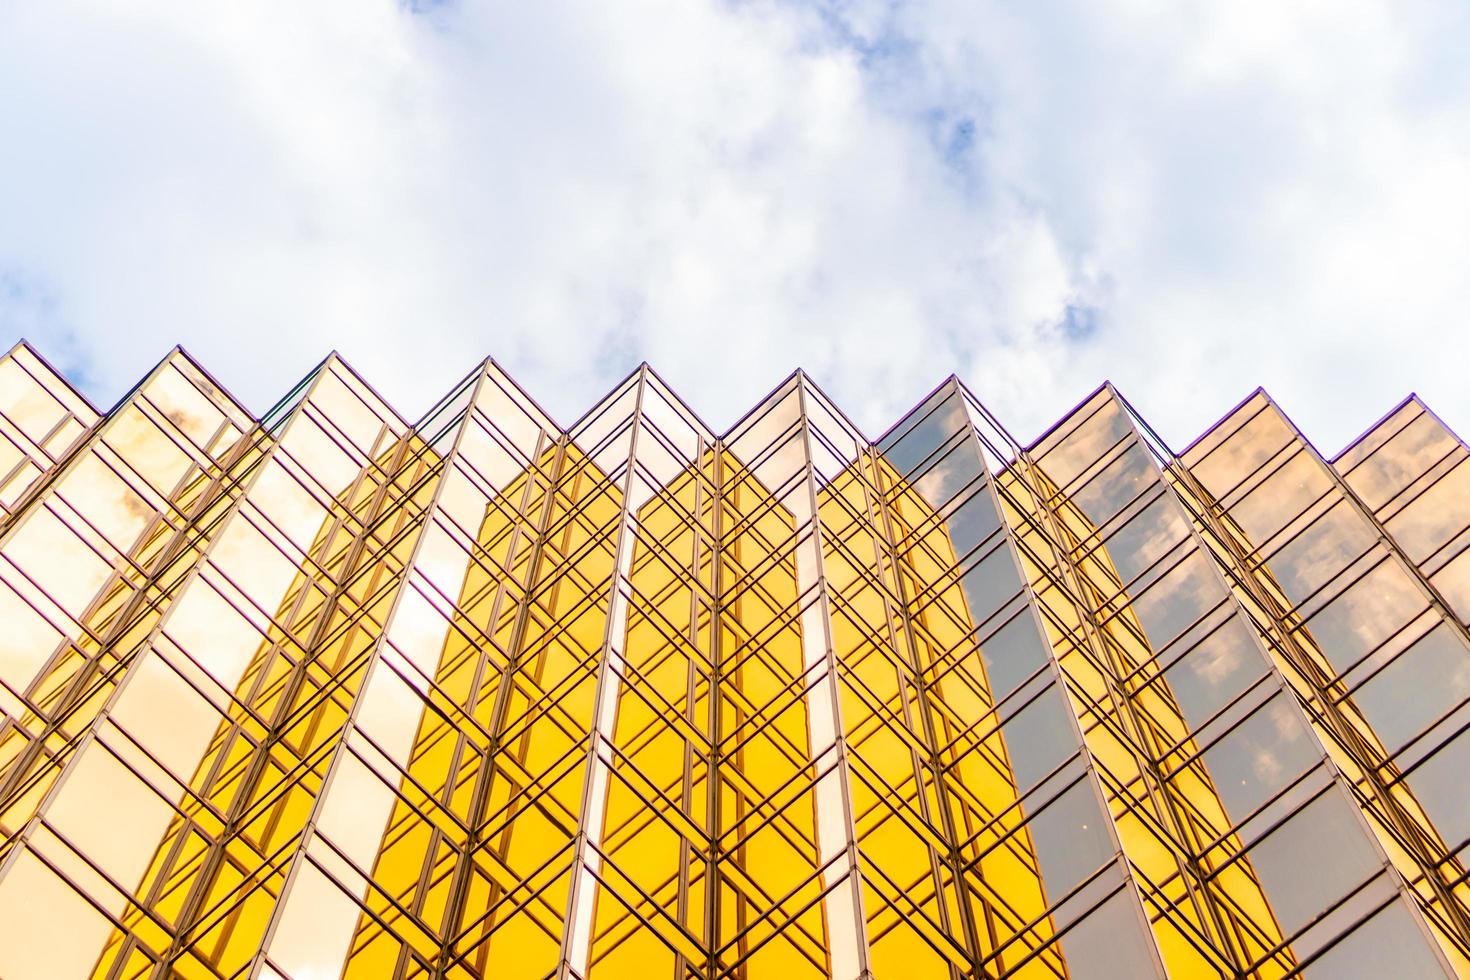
x: 327, y: 693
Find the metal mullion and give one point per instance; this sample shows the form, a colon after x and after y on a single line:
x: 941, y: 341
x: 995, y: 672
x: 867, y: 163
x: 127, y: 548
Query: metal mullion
x: 651, y: 813
x: 659, y: 552
x: 645, y: 921
x: 568, y: 566
x: 1283, y: 949
x: 783, y: 616
x: 438, y: 701
x: 757, y: 647
x: 890, y: 802
x: 1380, y: 427
x: 628, y: 916
x: 542, y: 782
x: 1338, y: 691
x: 1264, y: 471
x: 1404, y: 773
x: 444, y: 707
x: 623, y: 558
x: 1057, y: 782
x: 880, y: 711
x: 1151, y: 782
x: 1204, y: 739
x: 772, y: 556
x: 57, y: 381
x: 773, y: 816
x: 1055, y: 533
x: 1382, y: 511
x: 258, y: 874
x: 864, y: 574
x: 33, y: 449
x: 790, y: 750
x: 872, y: 641
x: 671, y: 644
x: 770, y: 500
x: 906, y: 916
x: 404, y: 913
x: 1160, y: 907
x: 1030, y: 698
x: 792, y: 924
x: 482, y: 554
x: 1281, y: 540
x: 1461, y: 539
x: 163, y: 508
x: 171, y: 431
x: 403, y: 778
x: 638, y: 740
x: 650, y: 613
x: 457, y: 958
x: 882, y: 716
x: 542, y: 706
x: 935, y: 595
x: 115, y: 921
x: 1061, y: 495
x: 640, y: 820
x: 359, y: 456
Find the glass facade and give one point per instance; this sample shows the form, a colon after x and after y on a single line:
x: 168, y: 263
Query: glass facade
x: 330, y: 693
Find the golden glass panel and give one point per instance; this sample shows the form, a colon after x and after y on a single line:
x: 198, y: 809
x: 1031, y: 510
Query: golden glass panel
x: 329, y: 694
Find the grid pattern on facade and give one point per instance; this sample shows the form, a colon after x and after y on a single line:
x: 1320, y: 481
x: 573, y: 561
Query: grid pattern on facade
x: 328, y: 693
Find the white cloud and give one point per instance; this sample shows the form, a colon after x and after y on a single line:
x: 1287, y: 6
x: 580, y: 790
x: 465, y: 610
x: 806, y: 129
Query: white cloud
x: 1188, y: 198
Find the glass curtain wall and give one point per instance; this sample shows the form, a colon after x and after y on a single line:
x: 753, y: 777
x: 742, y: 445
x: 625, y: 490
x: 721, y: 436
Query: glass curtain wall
x: 327, y: 693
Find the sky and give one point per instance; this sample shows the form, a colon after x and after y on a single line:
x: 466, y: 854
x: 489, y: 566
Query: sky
x: 1189, y: 198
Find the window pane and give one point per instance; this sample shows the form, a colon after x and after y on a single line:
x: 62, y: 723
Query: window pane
x: 1219, y: 667
x: 1064, y: 458
x: 1260, y: 756
x: 1071, y: 840
x: 992, y: 581
x: 1013, y: 654
x: 1442, y: 787
x: 1313, y: 860
x: 1120, y: 482
x: 910, y: 449
x: 1178, y: 599
x: 1369, y: 612
x: 1421, y: 684
x: 1146, y: 538
x: 1109, y: 944
x: 972, y: 521
x: 1039, y: 738
x: 1388, y: 945
x: 1320, y: 552
x: 1281, y: 498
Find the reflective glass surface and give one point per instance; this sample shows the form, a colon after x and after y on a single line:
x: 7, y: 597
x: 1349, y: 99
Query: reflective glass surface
x: 331, y: 693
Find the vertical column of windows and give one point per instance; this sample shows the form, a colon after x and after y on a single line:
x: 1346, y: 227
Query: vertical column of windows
x: 653, y: 835
x: 390, y: 826
x: 269, y: 635
x: 787, y: 901
x: 1247, y: 753
x: 1044, y: 877
x: 1374, y: 653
